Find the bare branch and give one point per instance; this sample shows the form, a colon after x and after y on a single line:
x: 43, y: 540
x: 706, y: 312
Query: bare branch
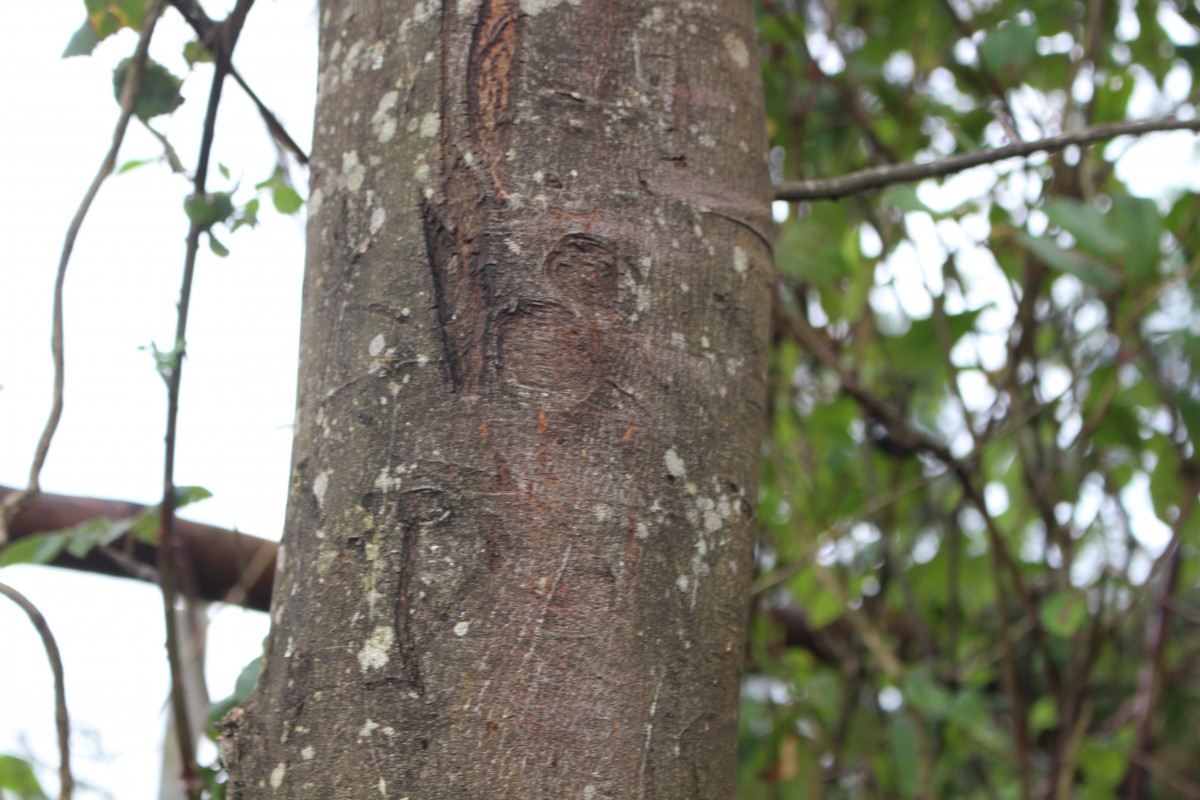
x: 61, y: 720
x: 221, y: 42
x: 194, y: 15
x: 879, y: 177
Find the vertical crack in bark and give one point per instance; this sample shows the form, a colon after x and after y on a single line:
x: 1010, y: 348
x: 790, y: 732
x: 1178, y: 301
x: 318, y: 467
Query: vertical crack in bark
x: 440, y: 252
x: 404, y: 617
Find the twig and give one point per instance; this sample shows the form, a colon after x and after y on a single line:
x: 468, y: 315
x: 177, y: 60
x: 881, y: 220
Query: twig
x: 61, y: 720
x: 221, y: 43
x: 18, y: 501
x: 879, y: 177
x: 203, y: 26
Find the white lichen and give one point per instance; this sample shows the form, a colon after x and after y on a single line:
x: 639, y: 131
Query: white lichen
x: 741, y: 262
x: 320, y: 487
x: 378, y: 217
x: 277, y: 775
x: 314, y: 202
x: 535, y: 7
x: 308, y: 752
x: 375, y: 651
x: 461, y: 628
x: 431, y: 125
x: 353, y: 171
x: 377, y: 344
x: 737, y: 49
x: 674, y: 464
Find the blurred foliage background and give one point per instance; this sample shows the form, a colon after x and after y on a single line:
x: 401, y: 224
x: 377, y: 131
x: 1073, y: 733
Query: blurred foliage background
x: 978, y: 572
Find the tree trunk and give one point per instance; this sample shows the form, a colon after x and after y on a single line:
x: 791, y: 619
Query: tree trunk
x: 519, y: 537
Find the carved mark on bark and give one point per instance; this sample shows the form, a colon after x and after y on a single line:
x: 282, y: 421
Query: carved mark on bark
x: 440, y: 255
x: 491, y: 70
x: 460, y: 297
x: 416, y: 509
x: 559, y: 345
x: 585, y: 268
x: 405, y: 640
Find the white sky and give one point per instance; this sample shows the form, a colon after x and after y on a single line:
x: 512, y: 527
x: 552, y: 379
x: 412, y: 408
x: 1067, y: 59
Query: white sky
x: 122, y: 286
x: 239, y: 379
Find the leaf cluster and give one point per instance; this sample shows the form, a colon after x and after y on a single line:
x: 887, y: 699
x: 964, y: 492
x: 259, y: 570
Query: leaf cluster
x: 978, y: 571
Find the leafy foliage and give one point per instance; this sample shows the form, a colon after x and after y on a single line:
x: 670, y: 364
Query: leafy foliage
x: 978, y: 571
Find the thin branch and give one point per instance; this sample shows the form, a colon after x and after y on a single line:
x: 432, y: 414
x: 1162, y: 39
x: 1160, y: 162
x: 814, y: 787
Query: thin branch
x: 221, y: 42
x: 879, y: 177
x: 130, y: 93
x: 61, y: 720
x: 203, y: 26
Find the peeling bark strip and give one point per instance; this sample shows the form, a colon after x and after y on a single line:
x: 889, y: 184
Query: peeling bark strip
x: 491, y: 69
x: 520, y: 534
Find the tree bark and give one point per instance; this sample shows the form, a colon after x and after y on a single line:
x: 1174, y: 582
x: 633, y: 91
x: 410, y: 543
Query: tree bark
x: 519, y: 538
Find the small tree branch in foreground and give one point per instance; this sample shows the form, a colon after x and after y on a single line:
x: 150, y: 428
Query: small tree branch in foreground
x: 194, y: 15
x: 221, y: 46
x: 879, y: 177
x: 61, y: 720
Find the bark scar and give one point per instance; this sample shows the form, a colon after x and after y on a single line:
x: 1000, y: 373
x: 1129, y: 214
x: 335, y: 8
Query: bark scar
x: 491, y: 68
x: 440, y: 254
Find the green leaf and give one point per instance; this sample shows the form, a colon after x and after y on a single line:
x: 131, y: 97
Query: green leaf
x: 214, y: 244
x: 41, y: 548
x: 1008, y: 48
x: 1072, y: 262
x: 83, y: 41
x: 130, y: 166
x: 247, y: 216
x: 145, y: 526
x: 1103, y: 766
x: 18, y: 780
x: 1063, y: 612
x: 160, y: 89
x: 902, y: 740
x: 103, y: 21
x: 164, y: 360
x: 286, y: 200
x: 194, y: 52
x: 186, y: 495
x: 1090, y: 228
x: 1141, y: 227
x: 92, y: 533
x: 246, y: 681
x: 926, y: 695
x: 1043, y: 714
x: 130, y: 12
x: 207, y: 211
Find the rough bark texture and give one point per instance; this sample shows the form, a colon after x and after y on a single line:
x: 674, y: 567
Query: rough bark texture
x: 532, y: 374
